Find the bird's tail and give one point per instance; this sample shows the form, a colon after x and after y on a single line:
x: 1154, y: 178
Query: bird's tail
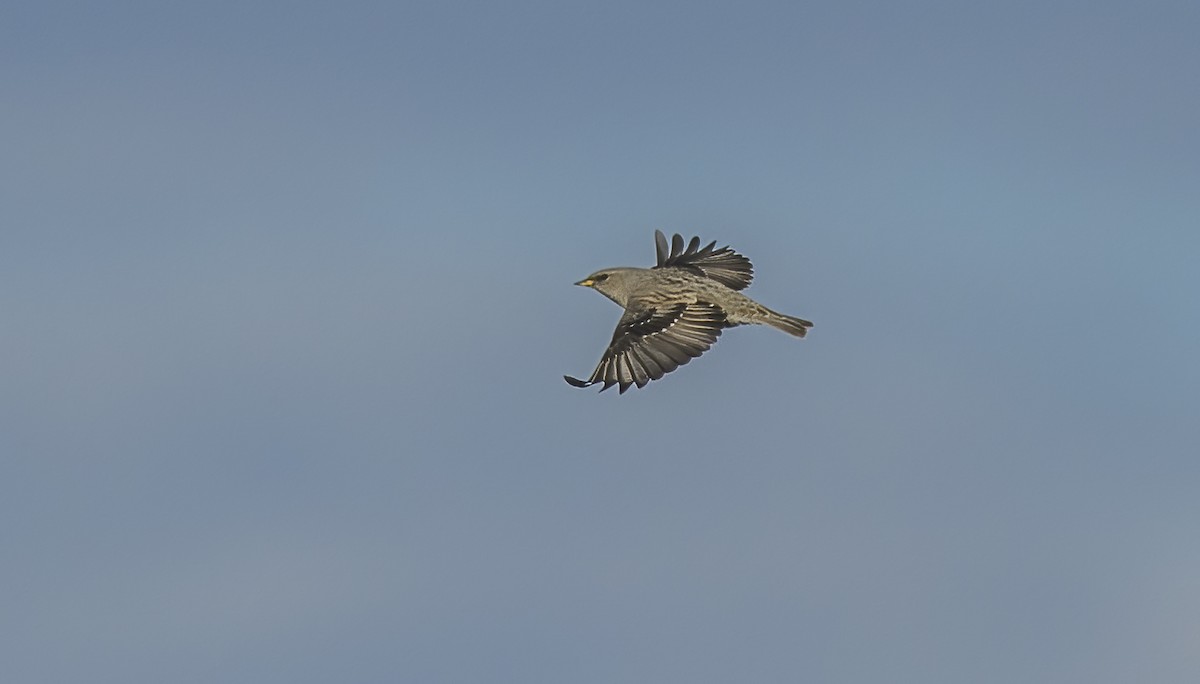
x: 789, y: 324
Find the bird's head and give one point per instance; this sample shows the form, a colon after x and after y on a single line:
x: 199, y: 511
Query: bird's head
x: 613, y: 283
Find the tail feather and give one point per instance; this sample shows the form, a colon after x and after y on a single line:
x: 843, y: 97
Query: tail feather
x: 789, y: 324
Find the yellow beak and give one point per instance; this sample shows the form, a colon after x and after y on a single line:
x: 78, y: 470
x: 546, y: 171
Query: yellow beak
x: 587, y: 282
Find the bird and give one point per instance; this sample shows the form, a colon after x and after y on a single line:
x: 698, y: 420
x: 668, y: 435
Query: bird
x: 675, y: 310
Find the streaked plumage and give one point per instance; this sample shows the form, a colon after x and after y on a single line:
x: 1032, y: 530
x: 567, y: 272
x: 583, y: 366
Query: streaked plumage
x: 675, y: 310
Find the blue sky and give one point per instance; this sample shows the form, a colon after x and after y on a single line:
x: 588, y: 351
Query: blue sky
x: 287, y: 302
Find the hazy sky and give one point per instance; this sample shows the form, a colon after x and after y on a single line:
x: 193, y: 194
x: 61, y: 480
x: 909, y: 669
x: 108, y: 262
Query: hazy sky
x: 286, y: 304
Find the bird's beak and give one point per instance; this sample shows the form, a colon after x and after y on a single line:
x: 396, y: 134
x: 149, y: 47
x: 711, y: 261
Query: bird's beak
x: 586, y: 282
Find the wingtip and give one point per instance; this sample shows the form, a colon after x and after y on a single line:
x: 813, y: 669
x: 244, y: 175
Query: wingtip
x: 575, y: 382
x: 661, y: 251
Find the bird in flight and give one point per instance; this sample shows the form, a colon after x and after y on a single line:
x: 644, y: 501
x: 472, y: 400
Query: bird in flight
x: 675, y: 310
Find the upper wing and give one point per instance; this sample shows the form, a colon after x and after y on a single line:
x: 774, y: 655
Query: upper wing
x: 722, y: 265
x: 649, y: 344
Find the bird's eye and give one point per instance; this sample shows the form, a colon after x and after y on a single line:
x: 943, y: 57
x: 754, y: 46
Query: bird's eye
x: 600, y: 278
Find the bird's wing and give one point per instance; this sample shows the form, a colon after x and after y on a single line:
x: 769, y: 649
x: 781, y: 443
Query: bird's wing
x: 722, y: 265
x: 651, y: 343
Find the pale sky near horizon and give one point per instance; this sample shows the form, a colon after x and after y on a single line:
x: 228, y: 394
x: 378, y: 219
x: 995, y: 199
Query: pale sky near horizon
x: 286, y: 294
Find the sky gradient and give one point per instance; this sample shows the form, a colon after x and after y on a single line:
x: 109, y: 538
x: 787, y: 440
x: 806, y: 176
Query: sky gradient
x: 287, y: 302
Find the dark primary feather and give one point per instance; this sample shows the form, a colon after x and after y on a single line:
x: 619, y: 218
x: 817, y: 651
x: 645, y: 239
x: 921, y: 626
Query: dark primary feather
x: 722, y: 265
x: 649, y: 344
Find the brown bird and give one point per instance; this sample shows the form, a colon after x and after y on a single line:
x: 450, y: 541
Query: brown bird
x: 676, y: 310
